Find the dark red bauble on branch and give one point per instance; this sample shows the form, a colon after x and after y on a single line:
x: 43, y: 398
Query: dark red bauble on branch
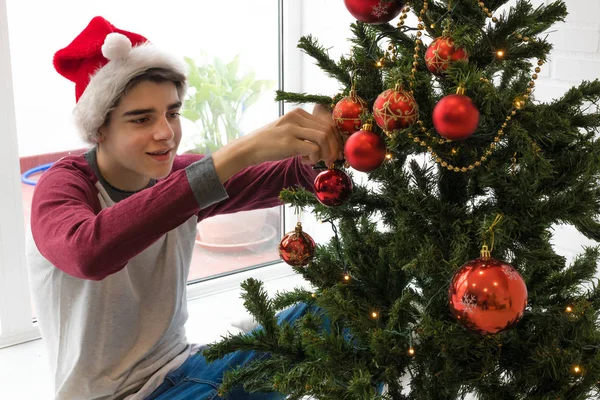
x: 333, y: 187
x: 441, y: 53
x: 365, y: 150
x: 487, y: 296
x: 297, y: 248
x: 455, y: 117
x: 374, y: 11
x: 347, y: 111
x: 395, y: 109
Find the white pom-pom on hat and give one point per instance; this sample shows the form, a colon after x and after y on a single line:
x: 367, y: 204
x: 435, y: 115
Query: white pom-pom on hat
x: 116, y: 46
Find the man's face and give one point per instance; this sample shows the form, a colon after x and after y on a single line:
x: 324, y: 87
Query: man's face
x: 145, y: 124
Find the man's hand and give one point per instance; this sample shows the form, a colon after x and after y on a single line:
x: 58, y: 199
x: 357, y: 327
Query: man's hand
x: 314, y: 137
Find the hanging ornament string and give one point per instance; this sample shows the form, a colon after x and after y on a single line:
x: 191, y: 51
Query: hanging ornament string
x: 338, y: 249
x: 430, y: 140
x: 485, y: 253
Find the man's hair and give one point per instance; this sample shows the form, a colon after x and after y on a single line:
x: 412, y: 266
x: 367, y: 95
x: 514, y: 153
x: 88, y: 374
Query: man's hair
x: 156, y: 75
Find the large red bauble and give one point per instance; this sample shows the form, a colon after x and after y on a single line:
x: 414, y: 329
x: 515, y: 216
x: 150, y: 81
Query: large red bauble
x: 333, y: 187
x: 346, y: 114
x: 441, y: 53
x: 395, y: 109
x: 455, y: 117
x: 487, y: 296
x: 364, y: 150
x: 297, y: 248
x: 374, y: 11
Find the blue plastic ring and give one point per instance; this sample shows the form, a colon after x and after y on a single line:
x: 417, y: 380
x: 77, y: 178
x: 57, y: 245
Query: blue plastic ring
x: 40, y: 168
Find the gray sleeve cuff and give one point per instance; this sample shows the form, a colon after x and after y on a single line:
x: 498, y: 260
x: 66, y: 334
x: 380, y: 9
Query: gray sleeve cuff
x: 205, y: 183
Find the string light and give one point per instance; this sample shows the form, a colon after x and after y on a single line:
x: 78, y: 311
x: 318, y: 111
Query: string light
x: 569, y: 309
x: 411, y: 351
x: 388, y: 156
x: 577, y: 369
x: 374, y: 315
x: 500, y: 54
x: 346, y: 277
x: 314, y: 295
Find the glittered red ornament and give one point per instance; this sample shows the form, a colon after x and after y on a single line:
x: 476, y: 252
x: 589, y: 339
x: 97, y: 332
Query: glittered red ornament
x: 365, y: 150
x: 487, y: 295
x: 297, y: 248
x: 333, y: 187
x: 441, y: 53
x: 374, y: 11
x: 455, y: 117
x: 347, y: 111
x: 395, y: 109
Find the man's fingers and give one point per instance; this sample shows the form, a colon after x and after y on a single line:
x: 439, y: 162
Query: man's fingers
x: 308, y: 150
x: 336, y: 141
x: 321, y: 111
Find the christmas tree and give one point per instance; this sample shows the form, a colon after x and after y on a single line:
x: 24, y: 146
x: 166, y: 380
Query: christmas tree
x: 441, y: 279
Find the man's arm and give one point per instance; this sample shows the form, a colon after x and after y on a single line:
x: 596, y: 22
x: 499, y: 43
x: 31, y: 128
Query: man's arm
x: 72, y: 231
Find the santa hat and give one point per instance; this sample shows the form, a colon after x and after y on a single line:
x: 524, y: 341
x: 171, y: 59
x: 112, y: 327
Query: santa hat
x: 101, y: 61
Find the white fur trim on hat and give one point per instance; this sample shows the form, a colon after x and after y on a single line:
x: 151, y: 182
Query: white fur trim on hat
x: 108, y: 83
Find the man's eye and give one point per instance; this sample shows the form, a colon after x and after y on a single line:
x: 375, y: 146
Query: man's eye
x: 174, y: 115
x: 140, y: 120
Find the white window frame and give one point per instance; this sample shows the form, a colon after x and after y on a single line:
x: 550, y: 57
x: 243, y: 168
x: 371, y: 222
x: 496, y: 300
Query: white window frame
x: 15, y: 309
x: 16, y: 319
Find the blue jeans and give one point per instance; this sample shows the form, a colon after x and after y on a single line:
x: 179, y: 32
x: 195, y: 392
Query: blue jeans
x: 197, y: 379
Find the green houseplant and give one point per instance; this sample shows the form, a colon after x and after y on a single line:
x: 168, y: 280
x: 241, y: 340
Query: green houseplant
x: 218, y: 97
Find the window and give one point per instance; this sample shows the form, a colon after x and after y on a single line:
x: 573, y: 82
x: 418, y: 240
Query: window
x: 40, y: 129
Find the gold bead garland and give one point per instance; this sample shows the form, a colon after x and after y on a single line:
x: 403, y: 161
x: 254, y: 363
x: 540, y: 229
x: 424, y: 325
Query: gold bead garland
x: 518, y: 103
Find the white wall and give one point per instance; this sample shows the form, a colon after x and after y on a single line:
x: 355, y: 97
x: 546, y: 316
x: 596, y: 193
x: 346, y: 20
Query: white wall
x: 576, y: 57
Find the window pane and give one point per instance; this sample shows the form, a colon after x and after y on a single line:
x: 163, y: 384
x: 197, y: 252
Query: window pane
x: 206, y: 32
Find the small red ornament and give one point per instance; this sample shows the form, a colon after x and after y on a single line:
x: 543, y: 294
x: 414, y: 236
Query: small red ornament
x: 395, y: 109
x: 365, y: 150
x: 455, y: 117
x: 374, y: 11
x: 333, y: 187
x: 487, y: 295
x: 441, y: 53
x: 297, y: 248
x: 347, y: 111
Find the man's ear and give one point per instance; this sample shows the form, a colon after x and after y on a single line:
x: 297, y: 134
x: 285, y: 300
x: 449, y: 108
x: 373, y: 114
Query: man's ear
x: 101, y: 135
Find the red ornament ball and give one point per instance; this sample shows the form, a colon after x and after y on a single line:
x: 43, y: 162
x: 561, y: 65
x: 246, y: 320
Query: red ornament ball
x: 395, y: 109
x: 455, y: 117
x: 487, y: 296
x: 333, y: 187
x: 374, y: 11
x: 365, y: 150
x: 346, y: 113
x: 441, y: 53
x: 297, y: 248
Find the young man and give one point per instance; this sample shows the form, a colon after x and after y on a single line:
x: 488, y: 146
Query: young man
x: 114, y: 229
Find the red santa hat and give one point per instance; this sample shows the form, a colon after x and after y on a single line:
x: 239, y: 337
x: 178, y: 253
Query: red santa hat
x: 101, y: 61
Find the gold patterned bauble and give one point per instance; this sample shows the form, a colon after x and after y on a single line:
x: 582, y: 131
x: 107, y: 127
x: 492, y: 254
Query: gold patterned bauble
x: 395, y: 109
